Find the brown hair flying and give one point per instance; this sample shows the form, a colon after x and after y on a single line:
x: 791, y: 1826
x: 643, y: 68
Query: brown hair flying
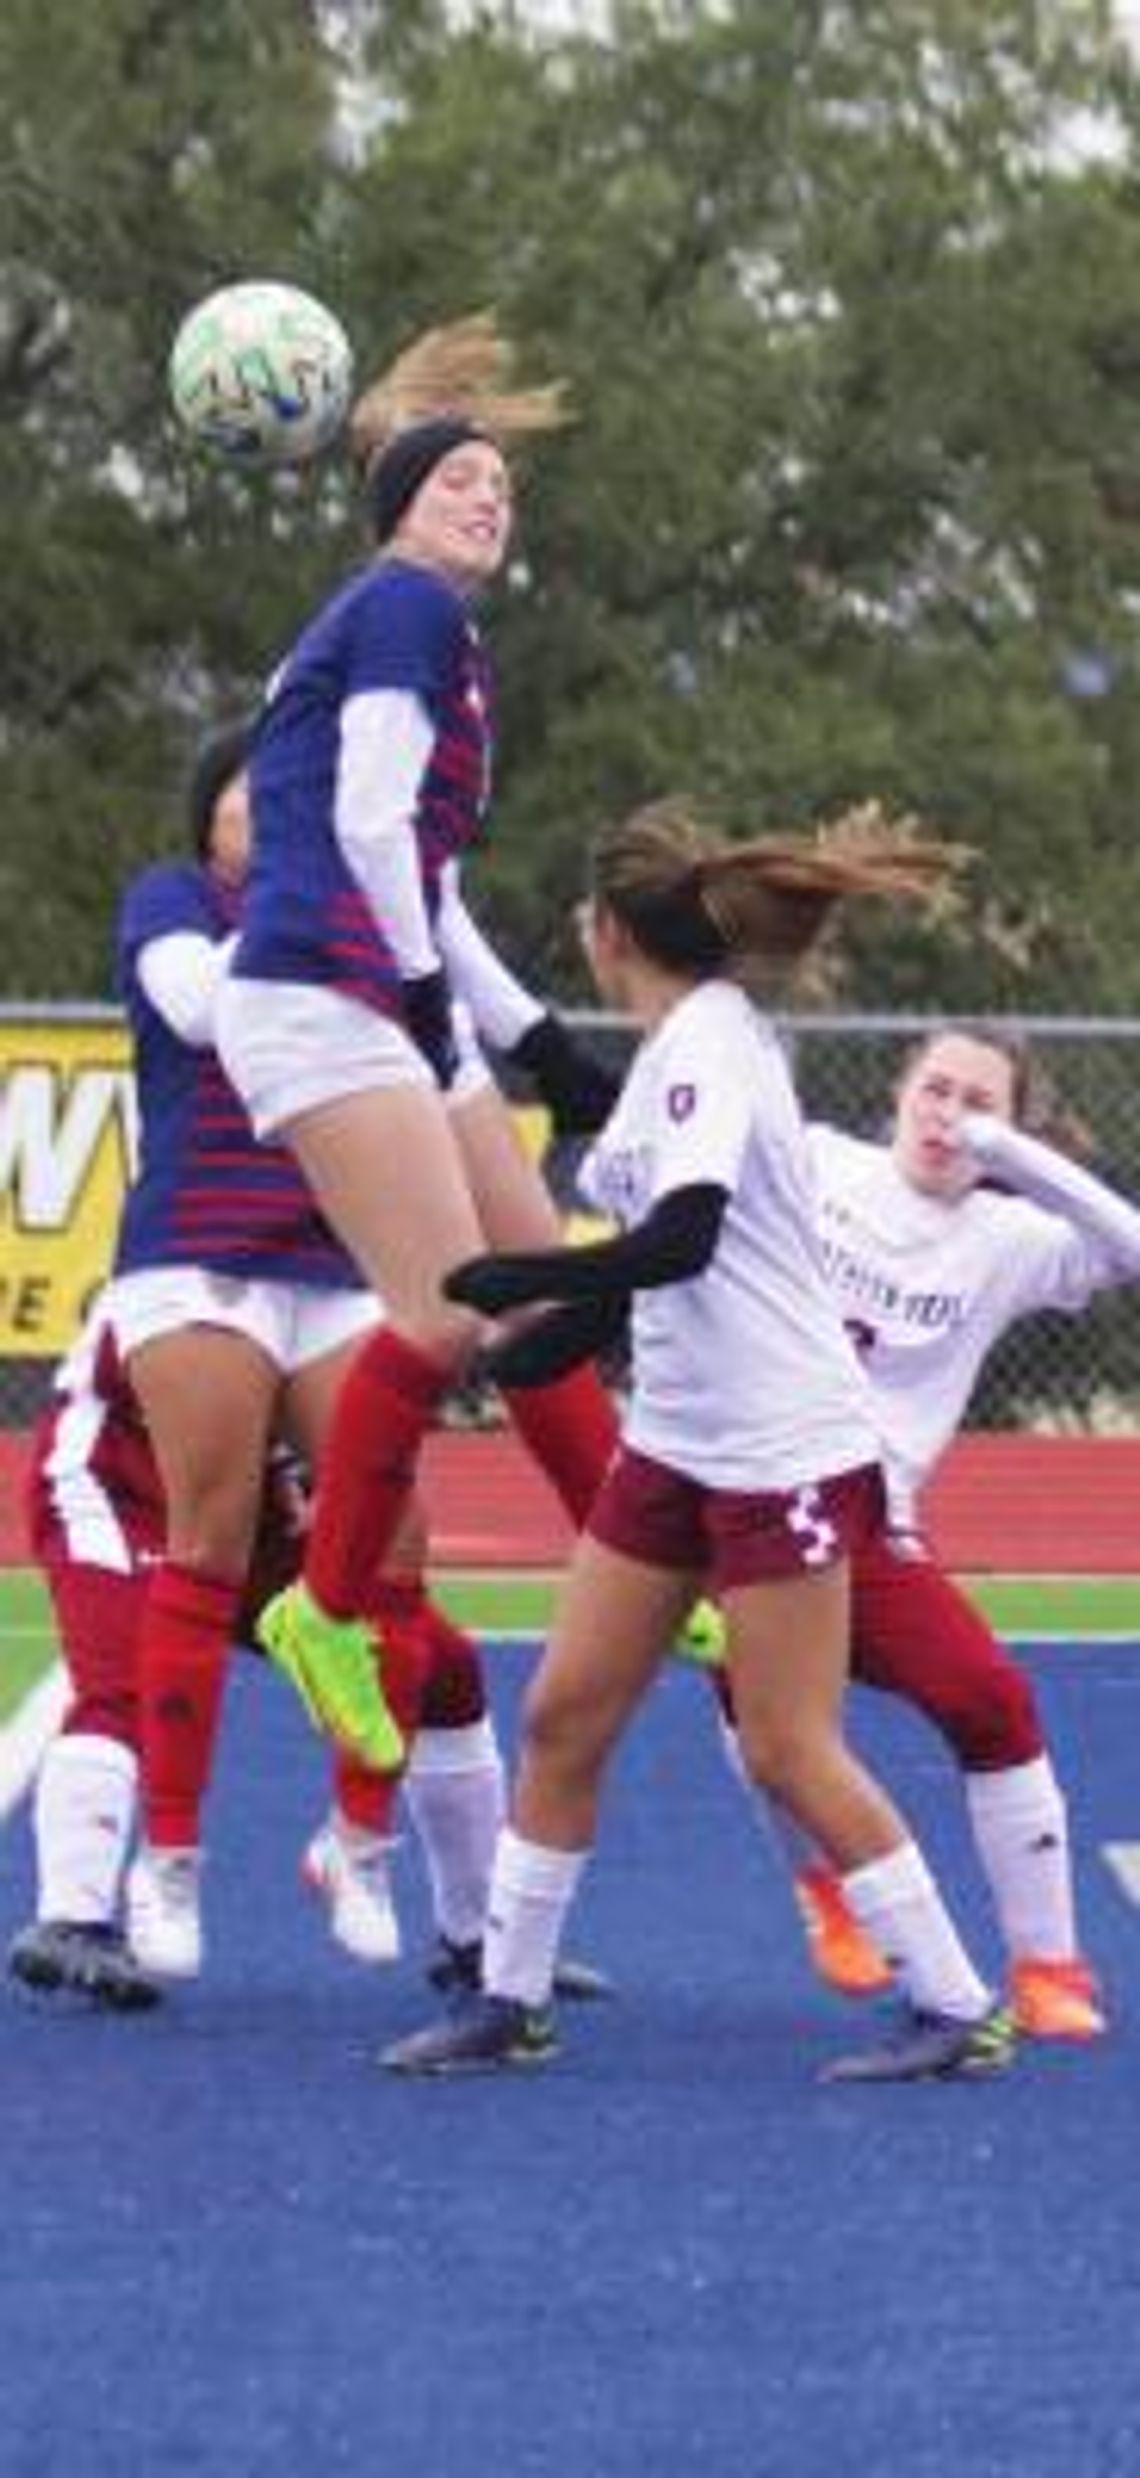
x: 696, y: 902
x: 467, y: 368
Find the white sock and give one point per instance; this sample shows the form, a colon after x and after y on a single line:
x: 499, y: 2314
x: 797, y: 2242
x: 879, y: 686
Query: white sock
x: 897, y: 1901
x: 456, y: 1797
x: 1021, y: 1831
x: 532, y: 1888
x: 83, y: 1817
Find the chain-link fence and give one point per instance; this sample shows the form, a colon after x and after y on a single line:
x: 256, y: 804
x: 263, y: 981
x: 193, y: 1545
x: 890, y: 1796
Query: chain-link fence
x: 1052, y: 1372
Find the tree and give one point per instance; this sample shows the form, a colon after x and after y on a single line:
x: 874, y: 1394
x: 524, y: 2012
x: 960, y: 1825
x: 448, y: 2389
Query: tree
x: 850, y: 327
x: 850, y: 507
x: 151, y: 152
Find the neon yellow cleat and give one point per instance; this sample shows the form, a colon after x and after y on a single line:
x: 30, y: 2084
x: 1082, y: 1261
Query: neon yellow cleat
x: 701, y: 1638
x: 334, y: 1665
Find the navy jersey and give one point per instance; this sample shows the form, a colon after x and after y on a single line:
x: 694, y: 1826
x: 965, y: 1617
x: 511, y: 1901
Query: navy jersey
x: 392, y: 627
x: 206, y: 1192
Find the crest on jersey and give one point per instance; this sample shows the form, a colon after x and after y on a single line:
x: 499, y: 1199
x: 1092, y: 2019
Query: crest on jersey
x: 681, y: 1101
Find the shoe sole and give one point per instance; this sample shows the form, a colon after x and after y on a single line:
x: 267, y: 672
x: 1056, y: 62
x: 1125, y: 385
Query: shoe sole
x: 398, y: 2060
x: 526, y: 2060
x: 128, y: 1996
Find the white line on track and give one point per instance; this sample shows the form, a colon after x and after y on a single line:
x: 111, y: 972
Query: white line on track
x: 1122, y: 1859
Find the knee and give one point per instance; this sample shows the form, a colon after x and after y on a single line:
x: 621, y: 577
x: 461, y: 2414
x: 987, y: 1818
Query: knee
x: 566, y: 1734
x: 215, y: 1530
x: 455, y: 1694
x: 779, y: 1754
x: 990, y: 1720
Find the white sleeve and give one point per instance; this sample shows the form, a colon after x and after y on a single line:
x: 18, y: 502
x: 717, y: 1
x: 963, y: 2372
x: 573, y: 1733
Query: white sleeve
x: 1050, y: 1179
x: 182, y: 973
x: 386, y: 739
x: 503, y: 1010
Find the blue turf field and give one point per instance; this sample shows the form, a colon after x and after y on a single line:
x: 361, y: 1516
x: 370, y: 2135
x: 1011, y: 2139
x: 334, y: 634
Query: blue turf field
x: 229, y: 2244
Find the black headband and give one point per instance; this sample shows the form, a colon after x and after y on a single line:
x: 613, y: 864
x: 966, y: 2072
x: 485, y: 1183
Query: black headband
x: 404, y: 467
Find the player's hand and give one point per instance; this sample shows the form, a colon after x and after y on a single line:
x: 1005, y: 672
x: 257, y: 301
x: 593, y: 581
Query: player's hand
x: 577, y: 1090
x: 427, y: 1015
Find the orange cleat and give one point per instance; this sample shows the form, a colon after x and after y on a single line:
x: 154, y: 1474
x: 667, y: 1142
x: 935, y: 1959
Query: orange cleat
x: 1056, y: 2000
x: 841, y: 1951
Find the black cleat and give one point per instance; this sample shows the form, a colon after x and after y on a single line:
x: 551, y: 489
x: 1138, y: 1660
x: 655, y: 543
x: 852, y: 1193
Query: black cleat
x: 933, y: 2047
x: 76, y: 1958
x: 479, y: 2034
x: 454, y: 1968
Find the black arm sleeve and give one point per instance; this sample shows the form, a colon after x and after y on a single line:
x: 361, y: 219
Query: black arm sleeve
x: 555, y: 1343
x: 578, y: 1091
x: 673, y: 1244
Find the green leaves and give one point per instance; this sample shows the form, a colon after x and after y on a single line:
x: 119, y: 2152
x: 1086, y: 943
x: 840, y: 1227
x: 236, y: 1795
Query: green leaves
x: 851, y: 506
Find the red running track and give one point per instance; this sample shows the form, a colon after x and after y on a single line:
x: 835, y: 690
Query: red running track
x: 1001, y: 1505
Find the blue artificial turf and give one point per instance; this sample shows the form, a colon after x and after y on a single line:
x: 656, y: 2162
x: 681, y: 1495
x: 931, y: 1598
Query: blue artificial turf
x: 229, y: 2243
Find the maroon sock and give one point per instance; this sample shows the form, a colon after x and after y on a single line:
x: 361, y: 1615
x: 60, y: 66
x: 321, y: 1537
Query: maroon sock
x: 455, y: 1694
x: 382, y: 1414
x: 184, y: 1641
x: 571, y: 1429
x: 365, y: 1799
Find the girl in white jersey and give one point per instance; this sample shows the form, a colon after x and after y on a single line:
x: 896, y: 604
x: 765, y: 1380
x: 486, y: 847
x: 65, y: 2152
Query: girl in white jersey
x: 769, y: 1488
x: 929, y: 1263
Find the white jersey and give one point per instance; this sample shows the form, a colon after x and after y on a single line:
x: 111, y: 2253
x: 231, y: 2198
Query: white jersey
x: 927, y: 1286
x: 743, y: 1377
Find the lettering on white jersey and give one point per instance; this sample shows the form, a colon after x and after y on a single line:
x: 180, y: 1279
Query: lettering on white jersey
x: 857, y: 1283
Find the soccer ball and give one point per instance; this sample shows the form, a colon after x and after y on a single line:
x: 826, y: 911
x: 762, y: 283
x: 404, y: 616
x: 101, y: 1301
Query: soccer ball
x: 261, y: 373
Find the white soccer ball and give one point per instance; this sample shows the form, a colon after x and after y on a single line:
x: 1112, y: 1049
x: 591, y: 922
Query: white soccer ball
x: 261, y: 373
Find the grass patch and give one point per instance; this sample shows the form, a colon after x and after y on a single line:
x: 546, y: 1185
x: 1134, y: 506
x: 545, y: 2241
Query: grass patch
x: 521, y: 1604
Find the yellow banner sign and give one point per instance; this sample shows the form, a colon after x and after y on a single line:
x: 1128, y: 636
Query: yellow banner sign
x: 67, y: 1148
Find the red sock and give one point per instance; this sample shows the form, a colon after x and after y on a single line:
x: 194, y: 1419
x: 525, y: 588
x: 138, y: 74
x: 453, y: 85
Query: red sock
x: 184, y: 1641
x: 571, y: 1429
x: 382, y: 1414
x: 365, y: 1799
x: 455, y: 1696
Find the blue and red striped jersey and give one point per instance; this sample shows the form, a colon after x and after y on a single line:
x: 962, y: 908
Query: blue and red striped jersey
x: 206, y: 1192
x: 393, y: 626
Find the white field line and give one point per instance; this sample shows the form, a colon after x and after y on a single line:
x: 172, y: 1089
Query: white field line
x: 1122, y: 1859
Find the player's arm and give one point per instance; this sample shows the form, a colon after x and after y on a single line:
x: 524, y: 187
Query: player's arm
x: 182, y: 973
x: 385, y: 743
x: 550, y: 1345
x: 577, y: 1090
x: 674, y: 1243
x: 1062, y: 1186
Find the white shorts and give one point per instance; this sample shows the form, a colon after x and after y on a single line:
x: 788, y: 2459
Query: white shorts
x: 292, y: 1323
x: 287, y: 1046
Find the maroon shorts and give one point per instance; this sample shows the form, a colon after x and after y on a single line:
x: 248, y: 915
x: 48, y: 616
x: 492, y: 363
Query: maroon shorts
x: 734, y: 1536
